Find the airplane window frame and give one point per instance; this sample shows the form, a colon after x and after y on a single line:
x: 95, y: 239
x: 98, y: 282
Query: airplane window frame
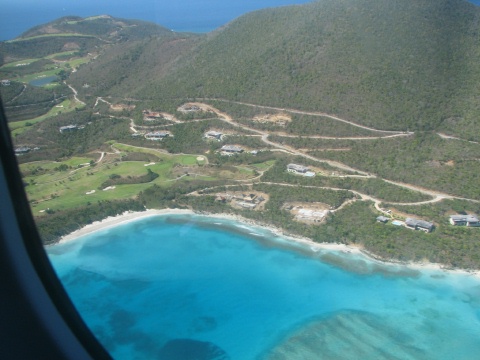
x: 38, y: 319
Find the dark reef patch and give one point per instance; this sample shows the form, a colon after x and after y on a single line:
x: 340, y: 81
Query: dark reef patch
x: 188, y: 349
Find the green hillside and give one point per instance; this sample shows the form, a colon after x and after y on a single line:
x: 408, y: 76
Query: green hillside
x: 390, y: 64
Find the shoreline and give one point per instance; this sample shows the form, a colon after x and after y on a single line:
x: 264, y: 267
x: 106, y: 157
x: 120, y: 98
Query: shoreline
x: 130, y: 216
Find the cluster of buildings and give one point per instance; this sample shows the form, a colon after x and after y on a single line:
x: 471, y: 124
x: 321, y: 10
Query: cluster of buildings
x: 426, y: 226
x: 410, y: 223
x: 300, y: 170
x: 5, y: 82
x: 245, y: 201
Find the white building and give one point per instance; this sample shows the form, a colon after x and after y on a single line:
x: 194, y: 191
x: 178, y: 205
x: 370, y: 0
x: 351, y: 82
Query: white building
x: 157, y: 135
x: 300, y: 170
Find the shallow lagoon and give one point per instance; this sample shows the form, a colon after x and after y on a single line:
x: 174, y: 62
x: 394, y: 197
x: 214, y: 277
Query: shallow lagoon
x: 162, y: 286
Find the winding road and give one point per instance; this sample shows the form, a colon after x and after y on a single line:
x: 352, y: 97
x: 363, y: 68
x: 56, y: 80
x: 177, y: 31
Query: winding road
x: 264, y: 136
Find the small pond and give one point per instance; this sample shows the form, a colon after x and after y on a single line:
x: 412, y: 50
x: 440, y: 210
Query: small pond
x: 43, y: 80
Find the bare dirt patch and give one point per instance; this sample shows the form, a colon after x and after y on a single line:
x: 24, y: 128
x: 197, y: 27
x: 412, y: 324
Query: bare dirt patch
x: 194, y: 108
x: 149, y: 115
x: 280, y: 119
x: 309, y: 213
x: 120, y: 107
x: 70, y: 46
x: 245, y: 200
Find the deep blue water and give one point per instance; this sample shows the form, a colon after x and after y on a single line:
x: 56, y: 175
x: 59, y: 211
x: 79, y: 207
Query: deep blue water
x: 188, y: 15
x: 165, y: 287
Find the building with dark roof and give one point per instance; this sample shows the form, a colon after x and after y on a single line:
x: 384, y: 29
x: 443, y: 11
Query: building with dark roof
x: 213, y: 135
x: 232, y: 149
x: 464, y: 220
x: 416, y: 224
x: 382, y: 219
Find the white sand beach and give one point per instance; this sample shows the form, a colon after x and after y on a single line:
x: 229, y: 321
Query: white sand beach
x: 314, y: 246
x: 112, y: 221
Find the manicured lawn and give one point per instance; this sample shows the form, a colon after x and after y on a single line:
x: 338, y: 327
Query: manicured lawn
x: 78, y: 61
x: 15, y: 63
x: 58, y: 190
x: 49, y: 35
x: 66, y: 189
x: 263, y: 166
x: 38, y: 75
x: 180, y: 159
x: 65, y: 53
x: 50, y: 165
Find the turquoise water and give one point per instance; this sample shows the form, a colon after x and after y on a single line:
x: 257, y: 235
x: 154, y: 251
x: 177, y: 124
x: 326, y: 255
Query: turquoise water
x: 164, y: 286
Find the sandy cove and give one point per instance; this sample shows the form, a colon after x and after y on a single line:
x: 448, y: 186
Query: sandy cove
x: 129, y: 216
x: 124, y: 218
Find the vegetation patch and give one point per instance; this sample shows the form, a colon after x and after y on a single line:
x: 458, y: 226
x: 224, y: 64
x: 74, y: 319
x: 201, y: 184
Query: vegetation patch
x: 115, y: 179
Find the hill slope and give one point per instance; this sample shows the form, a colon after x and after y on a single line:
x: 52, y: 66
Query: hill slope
x: 391, y: 64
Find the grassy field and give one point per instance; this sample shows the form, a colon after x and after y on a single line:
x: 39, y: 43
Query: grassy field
x: 49, y: 35
x: 38, y: 75
x: 18, y: 127
x: 64, y: 185
x: 65, y: 53
x: 263, y: 166
x: 179, y: 159
x: 74, y: 182
x: 24, y: 62
x: 49, y: 69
